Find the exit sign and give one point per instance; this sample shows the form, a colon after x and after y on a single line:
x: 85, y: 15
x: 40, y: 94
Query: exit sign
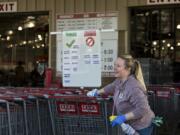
x: 8, y: 7
x: 157, y: 2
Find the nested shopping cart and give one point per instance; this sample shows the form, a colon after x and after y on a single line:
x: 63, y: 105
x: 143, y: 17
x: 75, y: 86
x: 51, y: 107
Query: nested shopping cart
x: 24, y: 112
x: 177, y: 109
x: 164, y: 107
x: 41, y: 111
x: 11, y: 115
x: 81, y: 115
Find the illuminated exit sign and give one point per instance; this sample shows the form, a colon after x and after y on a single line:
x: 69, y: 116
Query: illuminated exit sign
x: 156, y: 2
x: 8, y: 7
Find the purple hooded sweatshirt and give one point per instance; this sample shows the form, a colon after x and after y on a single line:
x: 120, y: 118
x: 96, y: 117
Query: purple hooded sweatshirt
x: 129, y: 96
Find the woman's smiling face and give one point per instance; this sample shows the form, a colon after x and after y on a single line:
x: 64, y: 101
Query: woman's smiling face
x: 120, y: 69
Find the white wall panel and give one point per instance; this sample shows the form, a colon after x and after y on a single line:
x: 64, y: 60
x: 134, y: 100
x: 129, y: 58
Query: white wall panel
x: 69, y: 6
x: 90, y: 5
x: 121, y: 3
x: 31, y: 5
x: 21, y: 5
x: 40, y: 5
x: 133, y: 3
x: 79, y: 6
x: 123, y: 18
x: 100, y: 5
x: 123, y: 46
x: 50, y: 5
x: 59, y: 6
x: 111, y: 5
x: 142, y: 2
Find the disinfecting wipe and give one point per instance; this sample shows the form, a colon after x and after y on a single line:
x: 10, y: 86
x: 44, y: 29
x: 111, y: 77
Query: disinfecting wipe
x: 128, y: 129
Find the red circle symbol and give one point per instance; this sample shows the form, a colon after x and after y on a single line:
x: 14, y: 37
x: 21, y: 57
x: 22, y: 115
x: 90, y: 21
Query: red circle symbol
x: 90, y: 41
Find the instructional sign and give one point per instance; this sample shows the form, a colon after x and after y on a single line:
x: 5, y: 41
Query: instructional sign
x: 106, y: 22
x: 109, y: 52
x: 87, y: 21
x: 81, y: 58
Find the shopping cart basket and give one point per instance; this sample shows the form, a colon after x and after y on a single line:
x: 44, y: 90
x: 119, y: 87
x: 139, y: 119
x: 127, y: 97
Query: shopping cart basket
x: 81, y: 115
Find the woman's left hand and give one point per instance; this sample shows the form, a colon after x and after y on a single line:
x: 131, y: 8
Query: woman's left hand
x: 118, y: 120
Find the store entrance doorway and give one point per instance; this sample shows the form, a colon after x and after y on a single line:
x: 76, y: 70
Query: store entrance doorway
x: 23, y: 39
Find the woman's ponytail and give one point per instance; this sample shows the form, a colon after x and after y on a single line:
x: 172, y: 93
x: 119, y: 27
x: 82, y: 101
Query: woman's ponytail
x: 135, y: 68
x: 138, y: 74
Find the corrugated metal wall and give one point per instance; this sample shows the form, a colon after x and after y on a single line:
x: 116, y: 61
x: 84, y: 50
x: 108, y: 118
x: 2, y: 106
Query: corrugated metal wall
x: 79, y: 6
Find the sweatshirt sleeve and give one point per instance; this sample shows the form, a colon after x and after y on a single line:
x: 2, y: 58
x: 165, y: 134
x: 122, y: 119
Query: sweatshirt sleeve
x: 109, y: 89
x: 139, y: 102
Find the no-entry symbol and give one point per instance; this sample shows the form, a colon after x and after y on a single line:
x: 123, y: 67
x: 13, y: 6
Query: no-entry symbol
x: 90, y: 41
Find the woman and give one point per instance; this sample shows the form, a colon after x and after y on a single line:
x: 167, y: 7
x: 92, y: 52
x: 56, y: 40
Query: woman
x: 129, y: 95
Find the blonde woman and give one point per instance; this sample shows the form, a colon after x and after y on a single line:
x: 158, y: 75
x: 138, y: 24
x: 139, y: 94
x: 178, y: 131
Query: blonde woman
x: 129, y: 95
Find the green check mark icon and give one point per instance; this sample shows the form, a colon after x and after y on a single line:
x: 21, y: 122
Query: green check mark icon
x: 69, y: 45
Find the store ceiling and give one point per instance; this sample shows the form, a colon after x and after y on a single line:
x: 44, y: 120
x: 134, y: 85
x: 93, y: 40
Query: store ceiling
x: 11, y: 21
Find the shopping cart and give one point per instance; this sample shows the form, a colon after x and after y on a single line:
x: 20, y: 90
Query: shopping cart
x: 177, y: 110
x: 164, y: 107
x: 12, y: 116
x: 24, y: 111
x: 151, y: 99
x: 81, y: 115
x: 38, y: 112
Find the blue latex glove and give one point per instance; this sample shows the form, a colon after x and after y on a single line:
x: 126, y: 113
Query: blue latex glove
x: 92, y: 93
x: 118, y: 120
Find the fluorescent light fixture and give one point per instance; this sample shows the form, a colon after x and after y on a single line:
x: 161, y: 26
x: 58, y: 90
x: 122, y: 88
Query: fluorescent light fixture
x: 24, y: 42
x: 164, y: 41
x: 40, y: 37
x: 154, y: 43
x: 31, y: 24
x: 42, y: 45
x: 10, y: 32
x: 178, y: 26
x: 29, y: 42
x: 31, y: 17
x: 178, y: 44
x: 20, y: 28
x: 8, y: 38
x: 168, y: 45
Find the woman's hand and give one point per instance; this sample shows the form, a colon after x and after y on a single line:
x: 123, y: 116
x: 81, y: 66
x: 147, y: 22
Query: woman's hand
x: 118, y: 120
x: 93, y: 93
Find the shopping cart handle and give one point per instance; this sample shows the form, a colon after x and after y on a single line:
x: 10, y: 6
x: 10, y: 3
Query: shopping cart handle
x: 2, y: 101
x: 46, y: 96
x: 31, y: 97
x: 109, y: 98
x: 18, y: 99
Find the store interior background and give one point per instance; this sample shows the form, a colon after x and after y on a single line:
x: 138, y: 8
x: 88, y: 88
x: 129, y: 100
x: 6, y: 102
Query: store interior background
x: 154, y: 40
x: 155, y: 35
x: 23, y: 38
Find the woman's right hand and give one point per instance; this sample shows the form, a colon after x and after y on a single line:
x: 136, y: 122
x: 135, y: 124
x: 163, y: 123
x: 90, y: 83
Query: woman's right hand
x: 92, y: 93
